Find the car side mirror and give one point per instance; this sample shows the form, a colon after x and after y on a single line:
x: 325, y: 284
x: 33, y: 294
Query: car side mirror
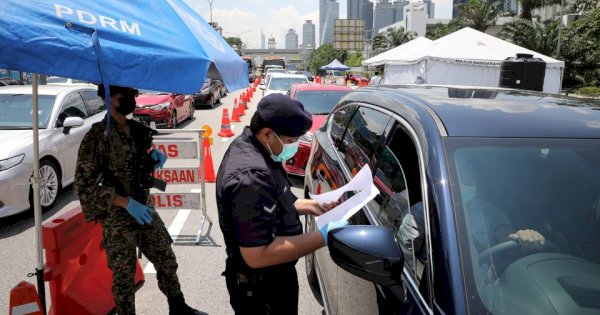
x: 369, y: 252
x: 71, y: 122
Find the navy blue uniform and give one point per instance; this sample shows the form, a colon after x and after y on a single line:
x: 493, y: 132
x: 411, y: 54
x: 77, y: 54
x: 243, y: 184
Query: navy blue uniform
x: 256, y: 205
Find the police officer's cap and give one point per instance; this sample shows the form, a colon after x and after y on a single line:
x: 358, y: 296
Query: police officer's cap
x: 115, y: 89
x: 284, y: 115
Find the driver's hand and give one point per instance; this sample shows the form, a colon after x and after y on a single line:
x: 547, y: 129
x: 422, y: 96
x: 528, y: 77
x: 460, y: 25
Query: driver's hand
x: 531, y: 240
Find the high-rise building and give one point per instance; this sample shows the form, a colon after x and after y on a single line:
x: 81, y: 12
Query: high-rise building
x: 308, y: 35
x: 329, y: 10
x: 262, y: 40
x: 388, y: 13
x: 291, y: 39
x: 361, y: 10
x: 272, y: 43
x: 431, y: 8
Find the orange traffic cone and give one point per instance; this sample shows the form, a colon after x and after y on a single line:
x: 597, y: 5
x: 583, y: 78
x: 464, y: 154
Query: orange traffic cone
x: 242, y: 107
x: 24, y: 300
x: 225, y: 125
x: 209, y: 169
x: 235, y: 113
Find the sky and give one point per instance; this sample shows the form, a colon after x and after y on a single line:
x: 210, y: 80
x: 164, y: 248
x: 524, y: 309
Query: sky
x: 246, y: 18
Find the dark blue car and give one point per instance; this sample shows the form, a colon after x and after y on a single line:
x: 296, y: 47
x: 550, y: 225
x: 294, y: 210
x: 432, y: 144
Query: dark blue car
x: 489, y: 203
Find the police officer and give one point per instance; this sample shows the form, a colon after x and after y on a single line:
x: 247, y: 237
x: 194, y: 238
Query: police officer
x: 258, y: 213
x: 109, y: 182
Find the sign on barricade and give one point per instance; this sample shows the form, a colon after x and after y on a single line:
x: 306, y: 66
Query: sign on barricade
x: 176, y: 200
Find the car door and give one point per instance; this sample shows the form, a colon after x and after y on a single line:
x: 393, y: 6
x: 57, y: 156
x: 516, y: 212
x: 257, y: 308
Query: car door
x: 364, y: 139
x: 68, y: 140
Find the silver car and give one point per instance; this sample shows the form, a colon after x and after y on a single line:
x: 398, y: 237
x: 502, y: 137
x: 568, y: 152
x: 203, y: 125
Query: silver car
x: 66, y: 113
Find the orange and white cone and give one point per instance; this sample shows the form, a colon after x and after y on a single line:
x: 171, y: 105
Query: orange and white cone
x: 24, y: 300
x: 225, y: 131
x: 235, y: 113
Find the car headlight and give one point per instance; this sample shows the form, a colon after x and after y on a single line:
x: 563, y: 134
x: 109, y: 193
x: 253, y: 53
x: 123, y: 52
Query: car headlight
x: 11, y: 162
x: 307, y: 137
x: 159, y: 106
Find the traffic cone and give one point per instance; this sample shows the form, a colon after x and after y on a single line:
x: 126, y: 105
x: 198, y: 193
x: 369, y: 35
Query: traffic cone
x: 242, y: 107
x: 209, y: 169
x: 225, y: 131
x: 24, y: 300
x: 235, y: 113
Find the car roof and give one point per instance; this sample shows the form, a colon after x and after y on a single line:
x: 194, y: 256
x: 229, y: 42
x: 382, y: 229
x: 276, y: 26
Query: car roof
x: 43, y: 89
x: 489, y: 112
x: 286, y: 75
x: 320, y: 87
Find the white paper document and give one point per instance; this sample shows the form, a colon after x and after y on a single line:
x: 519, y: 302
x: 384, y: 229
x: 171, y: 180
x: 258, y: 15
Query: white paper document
x: 365, y: 190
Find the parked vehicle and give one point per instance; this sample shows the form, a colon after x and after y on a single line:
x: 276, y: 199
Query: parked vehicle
x: 458, y: 170
x: 66, y: 113
x: 282, y: 83
x: 163, y: 108
x: 319, y: 100
x: 65, y: 81
x: 308, y: 75
x: 358, y: 79
x: 210, y: 93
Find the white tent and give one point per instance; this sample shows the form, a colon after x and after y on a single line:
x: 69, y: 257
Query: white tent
x: 398, y: 52
x: 465, y: 57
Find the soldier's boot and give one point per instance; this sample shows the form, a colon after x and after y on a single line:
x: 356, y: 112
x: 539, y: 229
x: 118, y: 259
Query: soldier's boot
x: 177, y: 306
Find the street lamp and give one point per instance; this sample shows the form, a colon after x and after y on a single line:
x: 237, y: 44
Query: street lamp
x: 210, y: 4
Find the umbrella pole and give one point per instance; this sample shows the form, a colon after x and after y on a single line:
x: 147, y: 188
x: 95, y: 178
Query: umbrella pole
x: 35, y: 183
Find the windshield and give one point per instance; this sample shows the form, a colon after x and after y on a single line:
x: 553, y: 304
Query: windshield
x: 16, y: 111
x: 283, y: 84
x: 528, y: 214
x: 319, y: 102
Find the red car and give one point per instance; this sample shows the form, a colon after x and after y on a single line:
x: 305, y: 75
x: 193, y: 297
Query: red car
x: 357, y: 79
x: 319, y: 100
x: 162, y: 107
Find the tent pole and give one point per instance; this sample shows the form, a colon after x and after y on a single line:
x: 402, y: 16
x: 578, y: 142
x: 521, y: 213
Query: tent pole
x: 35, y: 183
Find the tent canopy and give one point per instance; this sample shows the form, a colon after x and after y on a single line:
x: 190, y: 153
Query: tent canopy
x: 335, y: 65
x: 465, y: 57
x: 399, y: 52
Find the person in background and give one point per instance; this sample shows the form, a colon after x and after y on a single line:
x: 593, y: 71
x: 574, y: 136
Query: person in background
x: 111, y: 182
x: 376, y: 79
x: 259, y: 214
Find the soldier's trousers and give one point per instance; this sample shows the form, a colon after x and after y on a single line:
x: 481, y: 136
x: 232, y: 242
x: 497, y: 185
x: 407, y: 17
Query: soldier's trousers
x: 154, y: 240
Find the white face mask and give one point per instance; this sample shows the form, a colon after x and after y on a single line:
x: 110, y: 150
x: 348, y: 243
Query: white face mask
x: 289, y: 150
x: 467, y: 192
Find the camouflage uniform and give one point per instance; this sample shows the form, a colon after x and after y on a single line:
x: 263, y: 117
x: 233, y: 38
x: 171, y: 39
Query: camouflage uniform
x: 120, y: 230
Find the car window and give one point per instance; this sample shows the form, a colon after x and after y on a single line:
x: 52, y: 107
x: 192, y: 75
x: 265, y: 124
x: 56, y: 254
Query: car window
x: 16, y: 111
x: 73, y: 106
x: 363, y: 138
x: 94, y: 102
x: 319, y: 102
x: 284, y: 83
x: 338, y: 122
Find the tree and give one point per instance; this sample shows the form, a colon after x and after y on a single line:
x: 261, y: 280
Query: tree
x: 324, y: 55
x: 440, y: 30
x: 478, y: 14
x: 234, y: 41
x: 528, y: 5
x: 539, y: 37
x: 355, y: 59
x: 392, y: 37
x: 581, y: 6
x: 582, y: 54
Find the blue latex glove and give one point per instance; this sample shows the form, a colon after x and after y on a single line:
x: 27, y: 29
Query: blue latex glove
x: 159, y: 157
x: 332, y: 226
x: 140, y: 212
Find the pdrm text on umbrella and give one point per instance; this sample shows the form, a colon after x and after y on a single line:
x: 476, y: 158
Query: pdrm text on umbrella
x: 89, y: 18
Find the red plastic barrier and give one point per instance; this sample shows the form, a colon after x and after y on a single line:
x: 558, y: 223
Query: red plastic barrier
x: 76, y: 266
x: 317, y: 79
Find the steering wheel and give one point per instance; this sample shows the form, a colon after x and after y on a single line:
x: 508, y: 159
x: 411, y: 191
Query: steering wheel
x: 495, y: 252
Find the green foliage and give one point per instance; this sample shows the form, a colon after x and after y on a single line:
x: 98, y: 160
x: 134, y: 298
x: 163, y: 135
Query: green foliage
x: 355, y: 59
x: 581, y: 6
x: 440, y: 30
x: 580, y: 49
x: 392, y: 37
x: 324, y: 55
x: 536, y: 36
x: 478, y: 14
x: 234, y: 41
x: 591, y: 91
x: 528, y: 5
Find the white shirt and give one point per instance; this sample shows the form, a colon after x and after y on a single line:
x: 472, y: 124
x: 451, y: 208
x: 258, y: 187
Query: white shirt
x: 375, y: 80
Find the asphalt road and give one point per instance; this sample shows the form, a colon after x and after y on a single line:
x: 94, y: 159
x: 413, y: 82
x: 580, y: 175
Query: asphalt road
x: 200, y: 266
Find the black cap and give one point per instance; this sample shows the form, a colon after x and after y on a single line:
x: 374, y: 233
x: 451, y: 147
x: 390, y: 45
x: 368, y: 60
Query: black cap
x: 284, y: 115
x: 115, y: 89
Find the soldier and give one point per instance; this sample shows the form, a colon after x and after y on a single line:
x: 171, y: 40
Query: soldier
x: 112, y: 181
x: 259, y: 215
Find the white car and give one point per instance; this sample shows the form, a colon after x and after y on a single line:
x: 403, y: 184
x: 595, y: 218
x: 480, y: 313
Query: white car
x: 66, y: 81
x: 66, y: 113
x: 281, y: 83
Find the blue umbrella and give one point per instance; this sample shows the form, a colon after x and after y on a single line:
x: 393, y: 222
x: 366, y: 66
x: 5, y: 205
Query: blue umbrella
x: 152, y: 44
